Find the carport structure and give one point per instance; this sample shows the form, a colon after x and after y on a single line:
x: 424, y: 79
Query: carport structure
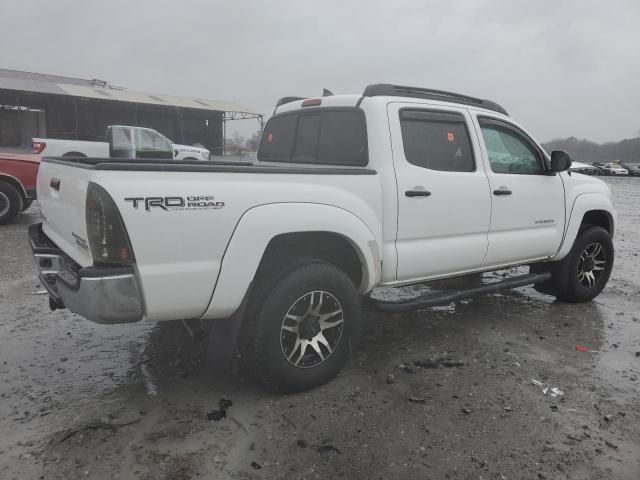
x: 41, y: 105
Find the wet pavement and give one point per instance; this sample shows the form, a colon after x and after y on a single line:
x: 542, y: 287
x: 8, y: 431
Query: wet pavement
x: 444, y: 393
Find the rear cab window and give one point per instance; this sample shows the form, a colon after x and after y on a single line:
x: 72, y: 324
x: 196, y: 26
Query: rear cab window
x: 322, y: 136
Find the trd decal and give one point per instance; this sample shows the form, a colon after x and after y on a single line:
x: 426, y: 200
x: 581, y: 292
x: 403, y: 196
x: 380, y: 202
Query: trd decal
x: 195, y: 202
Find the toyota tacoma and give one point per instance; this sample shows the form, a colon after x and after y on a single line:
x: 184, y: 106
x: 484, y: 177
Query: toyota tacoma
x: 395, y: 186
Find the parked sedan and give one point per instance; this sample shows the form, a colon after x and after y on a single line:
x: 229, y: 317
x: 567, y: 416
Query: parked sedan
x: 614, y: 169
x: 599, y: 168
x: 633, y: 169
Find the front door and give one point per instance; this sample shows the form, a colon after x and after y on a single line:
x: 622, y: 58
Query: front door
x: 528, y: 205
x: 444, y: 202
x: 151, y: 144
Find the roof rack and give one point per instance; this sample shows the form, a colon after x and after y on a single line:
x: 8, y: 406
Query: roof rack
x: 386, y: 89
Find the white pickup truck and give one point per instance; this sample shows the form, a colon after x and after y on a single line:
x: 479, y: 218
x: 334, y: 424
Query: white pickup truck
x: 121, y: 141
x: 396, y: 186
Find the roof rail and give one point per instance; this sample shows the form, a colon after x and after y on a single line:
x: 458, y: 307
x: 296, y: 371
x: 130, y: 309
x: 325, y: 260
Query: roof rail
x: 386, y: 89
x: 284, y: 100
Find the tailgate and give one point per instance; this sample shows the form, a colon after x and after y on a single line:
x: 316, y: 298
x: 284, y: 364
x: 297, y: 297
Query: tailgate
x: 62, y: 191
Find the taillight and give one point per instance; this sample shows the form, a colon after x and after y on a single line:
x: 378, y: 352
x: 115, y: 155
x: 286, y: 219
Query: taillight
x: 312, y: 102
x: 38, y: 147
x: 108, y: 239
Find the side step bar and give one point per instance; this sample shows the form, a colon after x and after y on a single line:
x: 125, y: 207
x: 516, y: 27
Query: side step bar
x: 443, y: 298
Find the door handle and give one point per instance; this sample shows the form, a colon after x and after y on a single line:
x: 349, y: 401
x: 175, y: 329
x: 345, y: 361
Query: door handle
x: 502, y: 191
x: 417, y: 193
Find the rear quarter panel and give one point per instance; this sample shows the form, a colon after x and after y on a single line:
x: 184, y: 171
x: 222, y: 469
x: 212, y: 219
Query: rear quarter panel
x: 179, y: 251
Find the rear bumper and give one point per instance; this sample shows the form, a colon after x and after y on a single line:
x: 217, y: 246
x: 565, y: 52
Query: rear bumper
x: 103, y: 295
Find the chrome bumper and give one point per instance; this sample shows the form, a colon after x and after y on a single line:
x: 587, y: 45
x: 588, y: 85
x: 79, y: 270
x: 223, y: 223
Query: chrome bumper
x: 103, y: 295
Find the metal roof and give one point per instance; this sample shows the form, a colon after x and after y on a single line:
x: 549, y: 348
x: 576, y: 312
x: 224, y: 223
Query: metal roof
x: 98, y: 89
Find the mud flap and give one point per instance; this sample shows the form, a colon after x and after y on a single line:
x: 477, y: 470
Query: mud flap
x: 222, y: 342
x: 558, y: 280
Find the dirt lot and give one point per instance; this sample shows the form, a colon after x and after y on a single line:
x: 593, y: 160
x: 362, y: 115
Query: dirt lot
x: 79, y: 400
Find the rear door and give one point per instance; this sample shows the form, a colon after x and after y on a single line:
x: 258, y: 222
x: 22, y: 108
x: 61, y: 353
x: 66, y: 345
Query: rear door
x: 121, y: 142
x: 444, y: 203
x: 528, y: 205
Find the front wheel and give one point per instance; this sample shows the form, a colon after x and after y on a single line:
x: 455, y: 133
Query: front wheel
x: 582, y: 275
x: 304, y: 328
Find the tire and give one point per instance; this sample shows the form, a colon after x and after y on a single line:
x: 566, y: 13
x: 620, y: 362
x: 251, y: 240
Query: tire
x: 583, y: 273
x: 74, y: 155
x: 26, y: 204
x: 287, y: 348
x: 10, y: 202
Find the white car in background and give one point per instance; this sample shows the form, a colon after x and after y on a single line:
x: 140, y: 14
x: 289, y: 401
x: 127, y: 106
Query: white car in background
x: 121, y: 141
x: 614, y: 169
x: 584, y: 168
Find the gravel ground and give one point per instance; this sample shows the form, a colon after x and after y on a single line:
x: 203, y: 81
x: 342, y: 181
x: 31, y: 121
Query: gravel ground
x: 79, y: 400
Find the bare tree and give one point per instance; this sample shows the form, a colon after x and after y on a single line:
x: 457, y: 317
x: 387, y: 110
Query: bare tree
x: 254, y: 141
x: 235, y: 144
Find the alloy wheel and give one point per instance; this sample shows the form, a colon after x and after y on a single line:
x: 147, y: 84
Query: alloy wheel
x: 311, y: 329
x: 591, y: 265
x: 4, y: 204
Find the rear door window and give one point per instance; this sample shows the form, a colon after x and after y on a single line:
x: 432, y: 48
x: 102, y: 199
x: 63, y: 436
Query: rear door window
x: 121, y: 138
x: 324, y: 137
x: 436, y: 140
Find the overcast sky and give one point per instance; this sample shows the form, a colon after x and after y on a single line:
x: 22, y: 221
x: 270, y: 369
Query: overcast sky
x: 559, y: 67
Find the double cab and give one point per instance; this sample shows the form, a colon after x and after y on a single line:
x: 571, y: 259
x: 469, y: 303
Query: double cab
x: 395, y: 186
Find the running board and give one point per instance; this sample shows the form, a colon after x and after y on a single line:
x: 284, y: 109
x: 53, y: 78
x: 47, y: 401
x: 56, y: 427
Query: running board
x: 443, y: 298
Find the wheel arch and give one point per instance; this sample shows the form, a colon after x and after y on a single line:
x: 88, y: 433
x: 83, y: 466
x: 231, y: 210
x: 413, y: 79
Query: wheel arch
x: 331, y: 247
x: 13, y: 181
x: 588, y: 209
x: 264, y: 234
x: 600, y: 218
x: 74, y: 154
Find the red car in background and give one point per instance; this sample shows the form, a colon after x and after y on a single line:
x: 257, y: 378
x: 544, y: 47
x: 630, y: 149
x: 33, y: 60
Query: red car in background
x: 17, y: 184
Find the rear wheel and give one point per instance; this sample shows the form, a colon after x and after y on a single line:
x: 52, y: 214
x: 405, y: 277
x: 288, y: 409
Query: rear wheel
x: 582, y: 275
x: 10, y: 202
x: 303, y: 330
x: 27, y: 204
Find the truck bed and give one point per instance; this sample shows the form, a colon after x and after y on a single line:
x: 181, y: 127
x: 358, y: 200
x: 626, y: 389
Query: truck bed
x: 180, y: 216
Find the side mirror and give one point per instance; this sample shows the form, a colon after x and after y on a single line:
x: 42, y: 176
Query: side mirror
x: 560, y: 161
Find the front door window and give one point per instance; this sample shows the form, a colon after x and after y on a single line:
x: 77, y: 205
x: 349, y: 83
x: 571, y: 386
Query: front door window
x: 510, y: 152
